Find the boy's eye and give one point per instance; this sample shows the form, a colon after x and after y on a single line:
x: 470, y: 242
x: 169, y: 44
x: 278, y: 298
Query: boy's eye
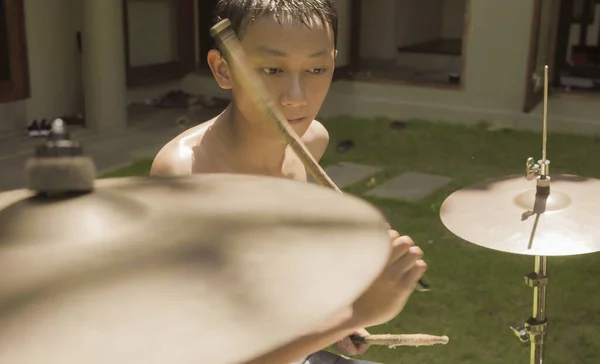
x: 271, y: 71
x: 317, y: 71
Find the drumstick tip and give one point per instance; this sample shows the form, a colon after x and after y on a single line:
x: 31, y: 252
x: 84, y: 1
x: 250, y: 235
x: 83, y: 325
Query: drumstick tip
x: 220, y: 27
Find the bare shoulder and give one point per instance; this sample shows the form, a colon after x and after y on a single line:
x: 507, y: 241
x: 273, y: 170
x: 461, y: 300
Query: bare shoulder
x: 316, y: 139
x: 172, y: 160
x: 181, y: 155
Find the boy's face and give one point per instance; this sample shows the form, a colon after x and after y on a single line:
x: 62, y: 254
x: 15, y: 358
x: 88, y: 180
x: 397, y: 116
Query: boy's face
x: 296, y: 64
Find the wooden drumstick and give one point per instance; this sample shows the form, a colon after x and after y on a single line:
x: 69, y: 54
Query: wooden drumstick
x: 245, y: 76
x: 391, y: 341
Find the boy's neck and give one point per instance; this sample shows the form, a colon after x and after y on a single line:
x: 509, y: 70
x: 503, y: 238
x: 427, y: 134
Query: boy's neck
x: 261, y: 153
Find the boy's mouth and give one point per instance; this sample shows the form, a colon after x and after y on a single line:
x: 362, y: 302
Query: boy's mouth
x: 296, y: 121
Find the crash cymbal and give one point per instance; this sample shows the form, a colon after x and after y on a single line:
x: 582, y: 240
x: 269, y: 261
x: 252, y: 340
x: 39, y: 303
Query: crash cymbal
x: 501, y: 214
x: 205, y: 269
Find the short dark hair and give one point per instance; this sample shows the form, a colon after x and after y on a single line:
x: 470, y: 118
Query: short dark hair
x: 241, y: 11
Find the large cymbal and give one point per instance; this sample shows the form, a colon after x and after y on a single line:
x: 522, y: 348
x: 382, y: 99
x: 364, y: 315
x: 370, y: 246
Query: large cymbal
x: 213, y: 269
x: 498, y: 214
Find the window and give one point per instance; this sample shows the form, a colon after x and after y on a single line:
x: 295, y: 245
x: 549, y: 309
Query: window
x: 577, y: 55
x: 159, y: 40
x: 409, y: 42
x: 14, y: 75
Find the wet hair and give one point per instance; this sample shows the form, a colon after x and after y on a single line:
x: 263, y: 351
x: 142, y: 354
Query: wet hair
x: 243, y: 12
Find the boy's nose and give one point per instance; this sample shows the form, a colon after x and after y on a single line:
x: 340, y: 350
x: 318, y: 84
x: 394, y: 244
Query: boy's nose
x: 294, y: 95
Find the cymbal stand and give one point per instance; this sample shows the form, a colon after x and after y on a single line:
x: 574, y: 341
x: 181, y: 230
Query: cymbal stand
x: 536, y: 327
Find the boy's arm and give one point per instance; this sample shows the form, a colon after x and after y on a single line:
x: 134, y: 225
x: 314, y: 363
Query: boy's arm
x: 316, y: 140
x: 306, y: 345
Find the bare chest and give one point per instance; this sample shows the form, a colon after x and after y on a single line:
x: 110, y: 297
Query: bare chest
x: 291, y: 168
x: 294, y: 169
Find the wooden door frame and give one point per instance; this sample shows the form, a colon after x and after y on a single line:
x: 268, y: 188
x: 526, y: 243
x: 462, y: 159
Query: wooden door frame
x: 186, y: 48
x: 18, y: 87
x: 533, y: 98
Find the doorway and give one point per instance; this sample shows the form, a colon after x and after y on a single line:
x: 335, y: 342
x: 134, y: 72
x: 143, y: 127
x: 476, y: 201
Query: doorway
x: 206, y: 42
x: 566, y: 37
x: 578, y: 47
x: 415, y: 42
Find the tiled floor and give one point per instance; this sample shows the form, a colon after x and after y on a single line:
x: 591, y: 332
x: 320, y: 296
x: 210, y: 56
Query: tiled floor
x: 150, y: 128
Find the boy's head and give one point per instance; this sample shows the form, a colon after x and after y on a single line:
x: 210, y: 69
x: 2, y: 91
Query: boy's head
x: 292, y: 46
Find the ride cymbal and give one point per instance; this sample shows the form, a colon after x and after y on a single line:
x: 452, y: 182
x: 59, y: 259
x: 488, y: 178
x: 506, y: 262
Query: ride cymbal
x: 503, y: 214
x: 215, y: 269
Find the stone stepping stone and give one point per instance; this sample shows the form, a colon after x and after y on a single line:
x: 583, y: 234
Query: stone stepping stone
x: 345, y: 174
x: 410, y: 186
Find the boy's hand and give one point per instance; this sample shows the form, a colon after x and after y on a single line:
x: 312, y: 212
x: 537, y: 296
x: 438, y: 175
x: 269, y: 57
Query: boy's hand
x: 386, y: 297
x: 346, y: 346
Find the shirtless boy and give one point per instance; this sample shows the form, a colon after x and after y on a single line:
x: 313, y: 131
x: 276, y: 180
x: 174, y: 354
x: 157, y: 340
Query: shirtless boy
x: 292, y: 46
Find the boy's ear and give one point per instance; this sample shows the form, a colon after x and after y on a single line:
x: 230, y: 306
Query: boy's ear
x: 220, y: 69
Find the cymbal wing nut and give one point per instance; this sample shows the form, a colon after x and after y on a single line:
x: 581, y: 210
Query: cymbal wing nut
x: 531, y: 169
x: 521, y: 333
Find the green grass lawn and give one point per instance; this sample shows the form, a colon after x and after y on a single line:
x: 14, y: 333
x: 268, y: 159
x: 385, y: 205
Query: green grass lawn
x: 476, y: 293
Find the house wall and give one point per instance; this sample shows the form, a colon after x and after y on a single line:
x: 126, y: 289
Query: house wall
x: 497, y: 51
x: 497, y: 47
x: 54, y: 67
x: 55, y: 64
x: 453, y: 19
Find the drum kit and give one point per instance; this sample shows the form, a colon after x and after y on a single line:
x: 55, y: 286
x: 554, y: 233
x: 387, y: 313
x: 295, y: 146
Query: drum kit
x: 225, y: 268
x: 556, y: 217
x: 217, y: 268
